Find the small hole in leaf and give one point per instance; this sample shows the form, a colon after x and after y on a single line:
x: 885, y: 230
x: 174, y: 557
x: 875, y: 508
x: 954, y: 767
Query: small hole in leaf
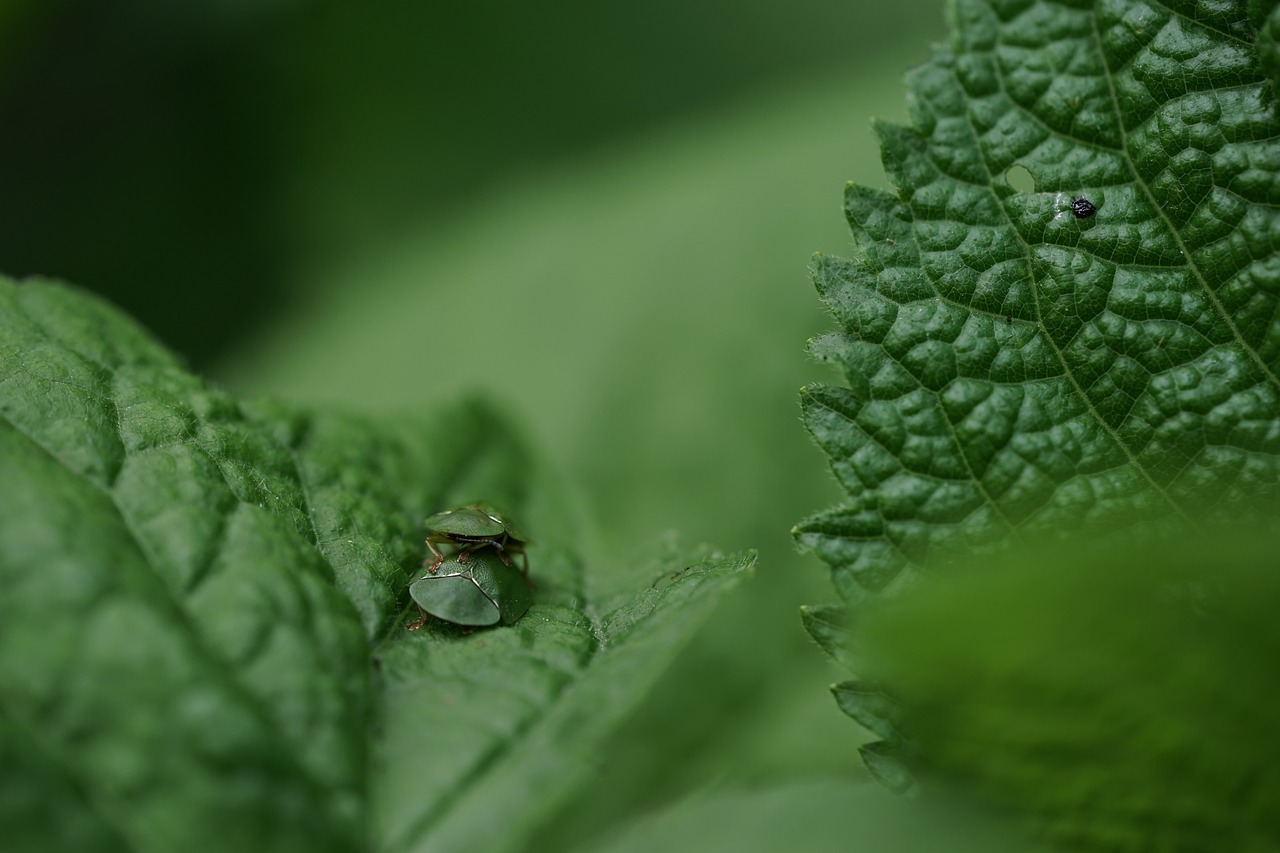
x: 1020, y: 178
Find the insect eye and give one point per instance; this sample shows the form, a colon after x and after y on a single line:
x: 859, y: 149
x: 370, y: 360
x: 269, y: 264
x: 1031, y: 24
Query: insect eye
x: 1082, y: 207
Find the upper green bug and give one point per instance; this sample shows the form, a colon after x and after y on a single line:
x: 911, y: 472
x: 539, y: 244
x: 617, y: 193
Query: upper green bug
x: 471, y: 528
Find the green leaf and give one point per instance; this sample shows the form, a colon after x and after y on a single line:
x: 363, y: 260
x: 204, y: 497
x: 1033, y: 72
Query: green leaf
x: 462, y: 734
x: 201, y: 632
x: 887, y: 764
x: 1014, y: 370
x: 1110, y: 698
x: 870, y: 705
x: 829, y: 625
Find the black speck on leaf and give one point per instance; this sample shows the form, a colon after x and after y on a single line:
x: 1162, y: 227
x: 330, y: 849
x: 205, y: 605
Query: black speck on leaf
x: 1082, y: 207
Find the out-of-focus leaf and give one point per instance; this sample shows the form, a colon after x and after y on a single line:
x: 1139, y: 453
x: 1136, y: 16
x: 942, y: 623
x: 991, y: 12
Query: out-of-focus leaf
x: 815, y: 816
x: 1269, y: 40
x: 1110, y: 698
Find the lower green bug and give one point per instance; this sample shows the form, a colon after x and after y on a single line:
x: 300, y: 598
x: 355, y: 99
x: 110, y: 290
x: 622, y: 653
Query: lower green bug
x: 482, y: 591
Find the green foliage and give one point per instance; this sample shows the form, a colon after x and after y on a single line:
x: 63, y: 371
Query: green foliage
x: 1015, y: 371
x: 1112, y: 698
x: 201, y: 632
x: 600, y: 291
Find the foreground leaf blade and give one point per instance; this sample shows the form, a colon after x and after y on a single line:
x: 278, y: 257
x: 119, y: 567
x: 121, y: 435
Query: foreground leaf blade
x: 195, y: 587
x: 1109, y: 699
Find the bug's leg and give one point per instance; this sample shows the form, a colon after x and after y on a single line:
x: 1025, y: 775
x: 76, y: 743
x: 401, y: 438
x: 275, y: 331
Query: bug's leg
x: 502, y: 550
x: 435, y: 564
x: 476, y: 546
x: 423, y: 616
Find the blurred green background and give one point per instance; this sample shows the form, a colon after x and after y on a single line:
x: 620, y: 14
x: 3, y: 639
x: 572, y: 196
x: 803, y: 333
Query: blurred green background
x: 599, y: 216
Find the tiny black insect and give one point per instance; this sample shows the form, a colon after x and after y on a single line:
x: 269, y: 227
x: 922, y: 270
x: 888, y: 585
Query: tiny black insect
x: 1082, y: 207
x: 1008, y: 318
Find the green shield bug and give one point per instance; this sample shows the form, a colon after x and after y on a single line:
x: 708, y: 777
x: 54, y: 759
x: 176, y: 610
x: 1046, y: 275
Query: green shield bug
x: 471, y: 528
x: 473, y: 582
x: 484, y: 590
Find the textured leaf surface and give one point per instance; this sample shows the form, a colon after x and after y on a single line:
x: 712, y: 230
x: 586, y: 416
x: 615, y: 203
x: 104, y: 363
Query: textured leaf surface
x: 1112, y: 699
x: 195, y: 589
x: 1012, y: 369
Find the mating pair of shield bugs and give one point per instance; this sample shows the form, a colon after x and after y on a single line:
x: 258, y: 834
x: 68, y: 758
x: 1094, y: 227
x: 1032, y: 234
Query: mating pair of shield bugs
x: 473, y: 581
